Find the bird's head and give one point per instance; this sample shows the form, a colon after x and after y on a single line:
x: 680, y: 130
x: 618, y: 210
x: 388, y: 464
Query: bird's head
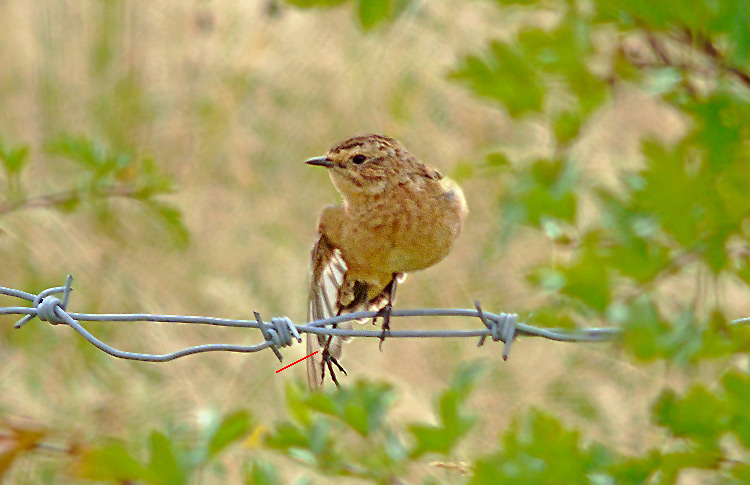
x: 365, y: 165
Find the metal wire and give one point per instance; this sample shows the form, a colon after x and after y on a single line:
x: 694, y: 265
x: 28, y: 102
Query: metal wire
x: 282, y: 332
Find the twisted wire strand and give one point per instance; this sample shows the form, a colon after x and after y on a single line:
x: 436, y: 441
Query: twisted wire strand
x: 282, y: 332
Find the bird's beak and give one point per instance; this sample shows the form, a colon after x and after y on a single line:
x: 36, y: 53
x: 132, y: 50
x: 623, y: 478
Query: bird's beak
x: 322, y: 161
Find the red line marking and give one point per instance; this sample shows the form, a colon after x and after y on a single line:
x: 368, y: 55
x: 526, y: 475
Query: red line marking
x: 303, y: 358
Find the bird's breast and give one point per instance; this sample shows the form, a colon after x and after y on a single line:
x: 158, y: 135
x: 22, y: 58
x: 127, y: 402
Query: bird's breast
x: 401, y: 230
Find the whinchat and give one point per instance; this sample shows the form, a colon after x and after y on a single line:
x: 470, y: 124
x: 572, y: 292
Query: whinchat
x: 398, y: 215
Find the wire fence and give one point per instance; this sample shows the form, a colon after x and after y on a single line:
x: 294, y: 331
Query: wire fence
x: 281, y: 332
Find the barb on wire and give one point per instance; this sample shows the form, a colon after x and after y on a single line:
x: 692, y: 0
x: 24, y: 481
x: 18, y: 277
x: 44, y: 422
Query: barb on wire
x: 281, y: 331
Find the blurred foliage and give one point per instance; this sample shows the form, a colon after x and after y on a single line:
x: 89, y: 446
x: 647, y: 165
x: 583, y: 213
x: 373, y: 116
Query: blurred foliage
x: 101, y: 175
x: 682, y: 214
x: 369, y: 13
x: 673, y: 217
x: 169, y: 460
x: 348, y: 433
x: 676, y: 215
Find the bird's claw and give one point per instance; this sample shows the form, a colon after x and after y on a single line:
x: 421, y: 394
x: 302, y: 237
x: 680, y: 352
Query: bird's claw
x: 385, y: 314
x: 329, y: 361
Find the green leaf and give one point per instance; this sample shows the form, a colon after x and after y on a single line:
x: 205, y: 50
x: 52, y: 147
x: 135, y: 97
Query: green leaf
x: 659, y: 15
x: 262, y: 473
x: 372, y: 13
x: 734, y: 24
x: 539, y: 450
x: 545, y: 189
x: 636, y: 470
x: 327, y: 443
x: 362, y: 407
x: 289, y: 436
x: 522, y: 75
x: 625, y: 70
x: 110, y: 462
x: 741, y: 471
x: 643, y: 329
x: 737, y: 388
x: 682, y: 192
x: 79, y: 149
x: 587, y: 279
x: 670, y: 193
x: 232, y: 428
x: 164, y: 468
x: 505, y: 75
x: 453, y: 423
x: 171, y: 217
x: 13, y: 158
x: 684, y: 340
x: 151, y: 181
x: 672, y: 464
x: 566, y: 126
x: 638, y: 249
x: 296, y: 404
x: 721, y: 128
x: 552, y: 316
x: 700, y: 415
x: 517, y: 2
x: 13, y: 161
x: 498, y: 160
x: 718, y: 339
x: 315, y: 3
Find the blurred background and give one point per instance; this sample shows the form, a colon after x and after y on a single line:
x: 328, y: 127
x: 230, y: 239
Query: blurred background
x: 204, y: 111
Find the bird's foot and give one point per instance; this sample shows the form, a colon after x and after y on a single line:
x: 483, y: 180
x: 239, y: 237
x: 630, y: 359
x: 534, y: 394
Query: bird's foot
x: 329, y: 361
x: 385, y: 314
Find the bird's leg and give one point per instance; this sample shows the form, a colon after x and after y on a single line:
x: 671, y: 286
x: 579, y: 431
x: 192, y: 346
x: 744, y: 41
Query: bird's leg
x: 385, y: 312
x: 329, y: 360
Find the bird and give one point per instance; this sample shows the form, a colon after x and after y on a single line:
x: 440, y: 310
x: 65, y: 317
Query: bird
x: 398, y: 216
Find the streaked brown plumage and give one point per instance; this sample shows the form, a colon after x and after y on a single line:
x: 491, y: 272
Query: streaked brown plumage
x: 398, y: 215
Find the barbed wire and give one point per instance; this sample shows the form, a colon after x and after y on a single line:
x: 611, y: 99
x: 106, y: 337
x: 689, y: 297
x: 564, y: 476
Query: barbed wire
x: 281, y: 332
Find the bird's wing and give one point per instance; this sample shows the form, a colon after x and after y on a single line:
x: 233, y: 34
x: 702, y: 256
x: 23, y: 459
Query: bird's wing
x: 327, y: 284
x: 328, y: 275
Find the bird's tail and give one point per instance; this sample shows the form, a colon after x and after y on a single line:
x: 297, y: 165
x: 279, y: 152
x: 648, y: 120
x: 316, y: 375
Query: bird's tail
x: 328, y: 273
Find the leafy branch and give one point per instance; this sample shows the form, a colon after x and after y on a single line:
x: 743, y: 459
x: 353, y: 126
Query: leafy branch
x: 102, y: 175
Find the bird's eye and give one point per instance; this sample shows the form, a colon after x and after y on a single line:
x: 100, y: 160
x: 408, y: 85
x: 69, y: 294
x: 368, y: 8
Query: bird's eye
x: 358, y: 159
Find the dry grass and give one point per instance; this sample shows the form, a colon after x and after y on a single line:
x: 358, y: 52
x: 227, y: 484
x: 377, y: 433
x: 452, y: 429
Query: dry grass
x: 230, y: 101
